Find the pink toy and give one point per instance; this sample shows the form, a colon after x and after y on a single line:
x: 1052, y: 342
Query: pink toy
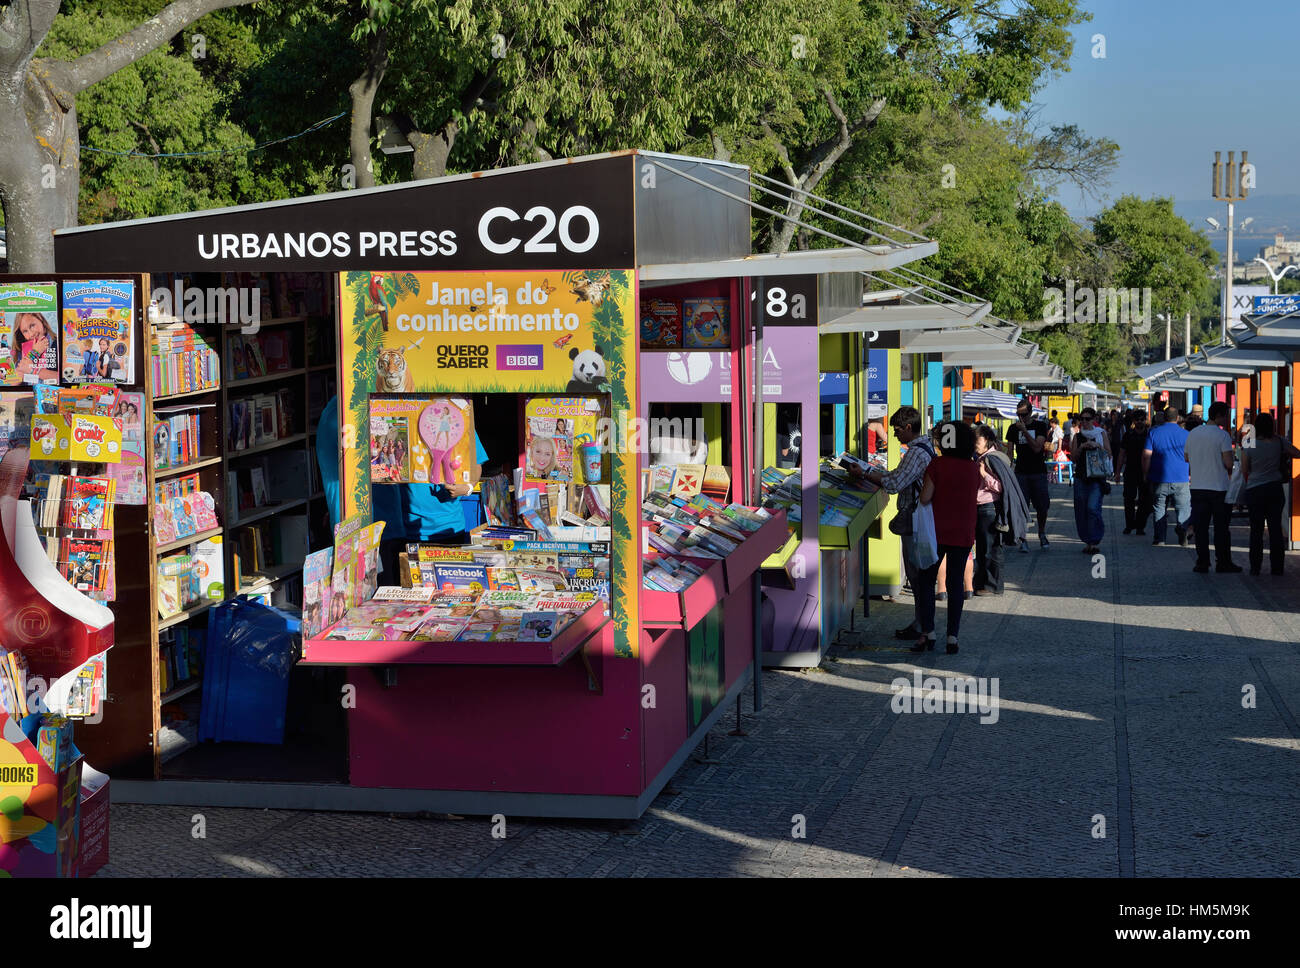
x: 441, y: 428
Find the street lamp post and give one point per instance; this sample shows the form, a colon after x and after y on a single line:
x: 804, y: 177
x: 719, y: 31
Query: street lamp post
x: 1276, y: 278
x: 1230, y: 188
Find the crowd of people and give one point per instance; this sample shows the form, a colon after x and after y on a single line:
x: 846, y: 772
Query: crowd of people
x: 969, y: 492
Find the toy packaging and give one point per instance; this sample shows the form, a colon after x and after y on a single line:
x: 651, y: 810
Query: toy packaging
x: 707, y: 323
x: 661, y: 324
x: 98, y: 328
x: 421, y: 440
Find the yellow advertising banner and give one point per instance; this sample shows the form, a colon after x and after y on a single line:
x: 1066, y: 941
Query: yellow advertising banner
x: 1063, y: 405
x: 570, y: 333
x: 481, y: 331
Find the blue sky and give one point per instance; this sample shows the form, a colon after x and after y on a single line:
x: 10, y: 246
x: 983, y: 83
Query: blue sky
x: 1180, y: 80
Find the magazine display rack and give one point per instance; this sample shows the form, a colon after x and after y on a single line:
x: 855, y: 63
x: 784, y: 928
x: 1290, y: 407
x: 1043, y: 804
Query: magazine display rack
x: 57, y: 630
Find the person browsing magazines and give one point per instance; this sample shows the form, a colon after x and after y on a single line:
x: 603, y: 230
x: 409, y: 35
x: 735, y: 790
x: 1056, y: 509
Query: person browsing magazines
x: 905, y: 480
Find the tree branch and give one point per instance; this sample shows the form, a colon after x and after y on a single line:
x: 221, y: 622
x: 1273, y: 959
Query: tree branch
x: 90, y: 68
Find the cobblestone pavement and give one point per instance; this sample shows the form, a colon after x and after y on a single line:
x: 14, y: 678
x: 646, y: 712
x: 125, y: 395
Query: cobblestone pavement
x: 1121, y: 703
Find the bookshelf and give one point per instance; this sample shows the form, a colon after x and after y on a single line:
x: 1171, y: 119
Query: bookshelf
x: 280, y: 378
x: 155, y: 691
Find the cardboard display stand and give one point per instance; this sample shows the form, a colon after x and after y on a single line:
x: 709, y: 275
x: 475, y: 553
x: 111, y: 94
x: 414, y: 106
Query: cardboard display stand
x: 528, y: 284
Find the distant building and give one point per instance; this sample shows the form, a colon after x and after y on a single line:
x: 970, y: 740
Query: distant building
x: 1281, y: 252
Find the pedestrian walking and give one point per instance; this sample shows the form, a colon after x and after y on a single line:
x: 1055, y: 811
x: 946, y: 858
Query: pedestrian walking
x: 1028, y: 438
x: 1054, y: 437
x: 1166, y: 468
x: 1138, y: 500
x: 988, y: 500
x: 1092, y: 466
x: 951, y: 482
x: 905, y: 480
x: 1209, y: 458
x: 1263, y: 470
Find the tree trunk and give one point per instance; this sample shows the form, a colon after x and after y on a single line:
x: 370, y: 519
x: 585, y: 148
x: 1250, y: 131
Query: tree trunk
x: 363, y: 91
x: 40, y: 153
x: 433, y: 150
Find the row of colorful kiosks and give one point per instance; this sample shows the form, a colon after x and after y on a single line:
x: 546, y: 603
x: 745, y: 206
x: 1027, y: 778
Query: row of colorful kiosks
x: 53, y: 645
x: 540, y: 656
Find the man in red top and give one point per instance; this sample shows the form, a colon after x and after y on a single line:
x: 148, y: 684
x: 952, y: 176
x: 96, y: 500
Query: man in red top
x: 951, y: 483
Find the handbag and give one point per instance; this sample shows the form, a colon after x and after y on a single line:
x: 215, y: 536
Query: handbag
x: 1235, y: 483
x: 925, y: 543
x: 1097, y: 465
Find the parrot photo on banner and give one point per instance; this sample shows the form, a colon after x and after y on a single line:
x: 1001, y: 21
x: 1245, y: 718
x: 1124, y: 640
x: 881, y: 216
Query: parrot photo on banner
x: 376, y: 292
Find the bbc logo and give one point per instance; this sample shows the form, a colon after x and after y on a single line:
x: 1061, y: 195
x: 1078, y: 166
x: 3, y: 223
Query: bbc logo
x: 523, y: 362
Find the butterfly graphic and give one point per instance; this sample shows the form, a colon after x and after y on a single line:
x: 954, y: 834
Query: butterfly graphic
x: 546, y: 287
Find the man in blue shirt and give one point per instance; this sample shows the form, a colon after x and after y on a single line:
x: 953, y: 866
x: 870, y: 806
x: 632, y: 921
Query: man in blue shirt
x: 1166, y: 469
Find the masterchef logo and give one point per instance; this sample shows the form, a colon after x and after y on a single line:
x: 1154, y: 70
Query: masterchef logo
x: 32, y: 623
x: 83, y: 431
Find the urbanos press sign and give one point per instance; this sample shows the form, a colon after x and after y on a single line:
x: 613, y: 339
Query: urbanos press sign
x: 548, y: 217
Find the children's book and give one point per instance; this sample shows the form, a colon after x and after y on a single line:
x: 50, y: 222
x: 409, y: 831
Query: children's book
x: 88, y: 503
x: 98, y: 331
x: 253, y: 357
x: 661, y: 324
x: 29, y: 341
x: 662, y: 477
x: 706, y: 323
x: 316, y: 570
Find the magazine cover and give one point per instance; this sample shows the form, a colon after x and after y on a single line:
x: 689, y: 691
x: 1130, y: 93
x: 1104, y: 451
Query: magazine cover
x: 556, y: 431
x: 390, y: 453
x: 316, y: 570
x: 706, y: 323
x: 86, y: 505
x: 661, y: 324
x: 129, y: 475
x: 98, y: 328
x: 29, y: 341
